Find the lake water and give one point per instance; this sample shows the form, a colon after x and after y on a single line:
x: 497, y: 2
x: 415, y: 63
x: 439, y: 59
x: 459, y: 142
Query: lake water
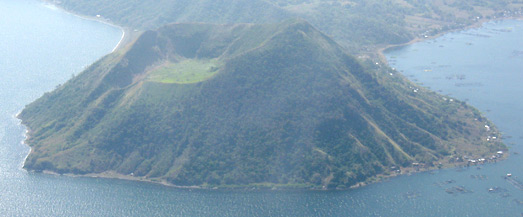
x: 41, y: 47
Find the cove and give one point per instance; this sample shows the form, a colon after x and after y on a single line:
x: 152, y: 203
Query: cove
x: 41, y: 47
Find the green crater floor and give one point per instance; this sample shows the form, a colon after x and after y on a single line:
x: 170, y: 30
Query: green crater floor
x: 185, y: 72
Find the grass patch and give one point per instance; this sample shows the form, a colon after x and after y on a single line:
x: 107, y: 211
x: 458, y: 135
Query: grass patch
x: 185, y: 72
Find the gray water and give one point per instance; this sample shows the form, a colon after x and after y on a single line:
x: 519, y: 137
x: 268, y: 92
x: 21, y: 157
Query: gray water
x: 41, y: 47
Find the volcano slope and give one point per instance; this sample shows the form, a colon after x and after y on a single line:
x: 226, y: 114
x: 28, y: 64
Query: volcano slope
x: 242, y: 105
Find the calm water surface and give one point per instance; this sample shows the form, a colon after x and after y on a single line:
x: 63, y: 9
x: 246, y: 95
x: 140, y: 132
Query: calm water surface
x: 41, y: 47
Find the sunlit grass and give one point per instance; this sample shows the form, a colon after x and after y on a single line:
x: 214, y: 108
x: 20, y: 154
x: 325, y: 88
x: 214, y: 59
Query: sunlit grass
x: 185, y: 72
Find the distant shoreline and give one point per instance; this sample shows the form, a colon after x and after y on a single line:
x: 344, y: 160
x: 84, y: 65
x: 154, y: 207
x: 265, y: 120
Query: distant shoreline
x: 382, y: 50
x: 119, y: 42
x: 124, y: 39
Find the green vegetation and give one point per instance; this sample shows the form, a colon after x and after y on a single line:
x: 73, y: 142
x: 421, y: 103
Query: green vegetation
x: 273, y: 105
x: 185, y: 72
x: 288, y: 107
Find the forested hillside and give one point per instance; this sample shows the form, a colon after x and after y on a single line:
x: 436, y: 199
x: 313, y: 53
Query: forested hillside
x: 242, y: 105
